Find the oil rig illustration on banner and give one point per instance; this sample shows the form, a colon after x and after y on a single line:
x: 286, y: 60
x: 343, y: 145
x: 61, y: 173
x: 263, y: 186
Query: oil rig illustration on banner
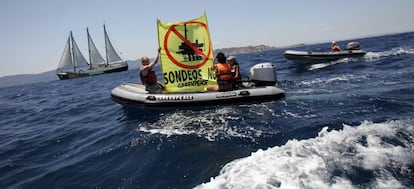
x: 187, y: 51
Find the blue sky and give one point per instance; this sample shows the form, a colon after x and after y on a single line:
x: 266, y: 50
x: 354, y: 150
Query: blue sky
x: 33, y: 33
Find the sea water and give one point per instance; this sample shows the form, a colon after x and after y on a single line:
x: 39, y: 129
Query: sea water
x: 343, y: 124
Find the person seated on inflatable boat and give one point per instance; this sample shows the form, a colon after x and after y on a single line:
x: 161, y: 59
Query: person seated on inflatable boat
x: 148, y: 76
x: 223, y: 74
x: 335, y: 47
x: 235, y: 70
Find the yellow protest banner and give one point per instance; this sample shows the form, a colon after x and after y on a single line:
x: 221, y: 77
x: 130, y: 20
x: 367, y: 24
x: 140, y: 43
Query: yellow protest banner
x: 186, y: 55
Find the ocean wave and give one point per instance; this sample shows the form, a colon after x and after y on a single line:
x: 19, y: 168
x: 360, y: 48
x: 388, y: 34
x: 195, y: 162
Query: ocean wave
x: 337, y: 79
x: 377, y: 155
x: 374, y: 56
x: 327, y: 64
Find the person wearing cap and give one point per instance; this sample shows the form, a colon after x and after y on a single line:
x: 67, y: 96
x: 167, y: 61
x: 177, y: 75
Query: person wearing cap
x: 223, y: 74
x: 335, y: 47
x: 148, y: 76
x: 235, y: 70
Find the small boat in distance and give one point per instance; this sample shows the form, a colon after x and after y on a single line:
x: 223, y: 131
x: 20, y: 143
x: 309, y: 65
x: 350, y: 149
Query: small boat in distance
x: 352, y: 51
x: 73, y: 64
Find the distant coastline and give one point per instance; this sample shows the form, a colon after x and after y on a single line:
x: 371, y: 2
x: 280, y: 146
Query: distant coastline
x: 252, y: 49
x: 23, y: 79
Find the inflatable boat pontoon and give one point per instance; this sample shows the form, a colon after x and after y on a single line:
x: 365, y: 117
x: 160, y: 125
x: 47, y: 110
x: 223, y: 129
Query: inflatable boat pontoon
x: 260, y: 87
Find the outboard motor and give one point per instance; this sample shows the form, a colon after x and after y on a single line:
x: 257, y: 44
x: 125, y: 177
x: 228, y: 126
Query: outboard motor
x: 263, y: 74
x: 352, y: 46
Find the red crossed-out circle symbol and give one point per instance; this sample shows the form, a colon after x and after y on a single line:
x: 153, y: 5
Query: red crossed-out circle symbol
x: 188, y: 43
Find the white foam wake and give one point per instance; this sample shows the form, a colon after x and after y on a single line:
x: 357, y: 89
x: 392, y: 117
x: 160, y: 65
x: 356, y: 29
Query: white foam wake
x: 327, y: 161
x: 326, y: 64
x: 369, y: 56
x: 224, y: 122
x: 337, y: 79
x: 373, y: 56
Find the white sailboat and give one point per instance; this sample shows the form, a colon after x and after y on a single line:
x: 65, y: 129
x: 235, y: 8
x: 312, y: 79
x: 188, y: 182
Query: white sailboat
x: 73, y: 64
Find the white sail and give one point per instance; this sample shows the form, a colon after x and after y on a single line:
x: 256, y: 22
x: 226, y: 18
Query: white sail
x: 111, y: 55
x: 66, y: 59
x: 95, y: 58
x: 78, y: 59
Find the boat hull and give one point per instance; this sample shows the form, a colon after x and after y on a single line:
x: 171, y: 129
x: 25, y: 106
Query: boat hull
x: 319, y: 57
x: 135, y: 95
x: 95, y: 71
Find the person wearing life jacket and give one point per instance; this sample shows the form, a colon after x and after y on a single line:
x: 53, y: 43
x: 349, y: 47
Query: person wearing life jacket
x: 335, y: 47
x: 148, y: 76
x: 223, y: 74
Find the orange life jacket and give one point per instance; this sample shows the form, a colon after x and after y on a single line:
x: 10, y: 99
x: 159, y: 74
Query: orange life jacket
x: 224, y: 72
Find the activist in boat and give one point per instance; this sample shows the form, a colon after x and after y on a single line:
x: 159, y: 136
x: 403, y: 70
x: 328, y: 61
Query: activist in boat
x: 148, y: 75
x: 225, y: 78
x: 224, y: 75
x: 187, y: 67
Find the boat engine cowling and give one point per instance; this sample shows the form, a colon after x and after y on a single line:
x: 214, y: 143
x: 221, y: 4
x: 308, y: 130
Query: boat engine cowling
x: 352, y: 46
x: 263, y: 74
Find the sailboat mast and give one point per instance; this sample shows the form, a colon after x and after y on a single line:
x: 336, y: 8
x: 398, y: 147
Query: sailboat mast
x: 72, y: 56
x: 89, y: 48
x: 106, y: 46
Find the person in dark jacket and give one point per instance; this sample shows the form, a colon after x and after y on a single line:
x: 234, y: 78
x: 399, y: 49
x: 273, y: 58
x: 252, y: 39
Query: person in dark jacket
x: 235, y: 70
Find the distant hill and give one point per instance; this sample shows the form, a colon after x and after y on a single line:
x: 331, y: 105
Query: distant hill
x: 251, y: 49
x: 134, y: 64
x: 22, y: 79
x: 243, y: 50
